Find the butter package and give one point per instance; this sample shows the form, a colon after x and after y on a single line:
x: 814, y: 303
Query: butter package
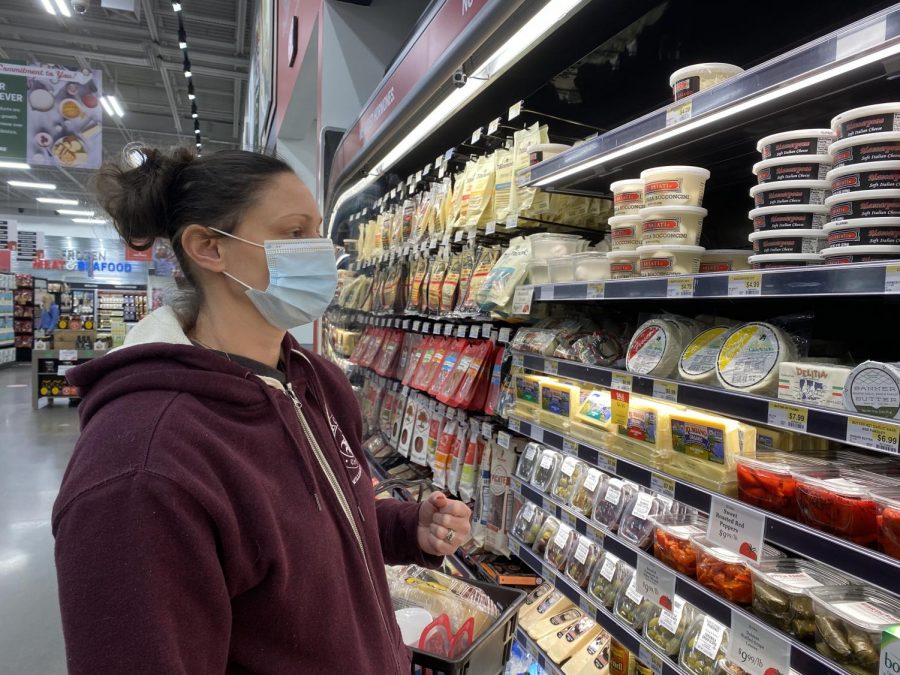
x: 818, y: 384
x: 592, y: 659
x: 559, y: 401
x: 564, y: 643
x: 562, y: 620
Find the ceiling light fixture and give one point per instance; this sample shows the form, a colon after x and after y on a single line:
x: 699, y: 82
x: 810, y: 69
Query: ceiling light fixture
x: 182, y: 38
x: 63, y: 7
x: 49, y: 7
x: 74, y: 212
x: 191, y: 94
x: 114, y: 102
x: 194, y: 113
x: 14, y: 165
x: 106, y: 106
x: 58, y: 200
x: 31, y: 185
x: 90, y: 221
x: 187, y: 66
x: 176, y: 6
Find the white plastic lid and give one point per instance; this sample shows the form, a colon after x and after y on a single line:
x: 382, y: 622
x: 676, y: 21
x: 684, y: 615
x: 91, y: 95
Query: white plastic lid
x: 786, y: 257
x: 861, y: 222
x: 867, y: 139
x: 549, y: 147
x: 790, y: 208
x: 537, y: 263
x: 791, y: 159
x: 859, y: 168
x: 718, y: 252
x: 876, y: 109
x: 623, y: 255
x: 670, y: 248
x: 584, y: 255
x: 835, y: 251
x: 695, y: 210
x: 696, y: 170
x: 788, y: 135
x: 795, y: 232
x: 551, y: 236
x: 625, y: 182
x: 617, y: 221
x: 698, y: 68
x: 791, y: 185
x: 862, y: 194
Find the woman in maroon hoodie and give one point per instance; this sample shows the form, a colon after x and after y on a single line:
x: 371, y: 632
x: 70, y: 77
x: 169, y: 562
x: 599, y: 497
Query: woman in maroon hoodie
x: 217, y: 515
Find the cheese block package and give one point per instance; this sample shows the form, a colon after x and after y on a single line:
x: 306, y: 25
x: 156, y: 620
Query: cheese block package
x: 534, y: 599
x: 528, y: 394
x: 551, y: 604
x: 646, y: 436
x: 592, y: 659
x: 554, y: 623
x: 564, y: 643
x: 505, y: 275
x: 811, y: 383
x: 559, y: 402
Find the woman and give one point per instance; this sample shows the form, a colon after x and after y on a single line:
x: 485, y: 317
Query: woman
x: 49, y: 313
x: 217, y: 515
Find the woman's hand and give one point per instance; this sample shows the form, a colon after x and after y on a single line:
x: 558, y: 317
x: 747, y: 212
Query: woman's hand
x: 438, y: 516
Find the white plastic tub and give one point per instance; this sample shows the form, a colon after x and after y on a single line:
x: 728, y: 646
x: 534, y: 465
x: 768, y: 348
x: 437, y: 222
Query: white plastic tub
x: 538, y: 272
x: 788, y: 192
x: 866, y: 148
x: 674, y: 185
x: 864, y: 232
x: 864, y: 204
x: 797, y: 167
x: 672, y: 225
x: 591, y: 266
x: 561, y: 269
x: 800, y: 142
x: 789, y: 217
x: 842, y: 255
x: 725, y: 260
x: 870, y: 119
x: 625, y: 232
x: 787, y: 241
x: 664, y: 260
x: 691, y: 79
x: 869, y: 176
x: 623, y: 264
x: 546, y: 245
x: 776, y: 260
x: 628, y: 196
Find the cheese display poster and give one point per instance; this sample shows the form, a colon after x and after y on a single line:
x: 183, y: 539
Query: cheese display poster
x: 51, y: 116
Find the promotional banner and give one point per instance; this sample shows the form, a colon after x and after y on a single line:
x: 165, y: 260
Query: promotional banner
x: 8, y: 235
x: 51, y: 116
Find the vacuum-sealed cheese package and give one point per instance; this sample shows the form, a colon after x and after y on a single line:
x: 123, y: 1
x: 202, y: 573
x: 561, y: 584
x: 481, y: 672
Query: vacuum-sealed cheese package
x: 505, y: 275
x: 503, y: 186
x: 480, y: 208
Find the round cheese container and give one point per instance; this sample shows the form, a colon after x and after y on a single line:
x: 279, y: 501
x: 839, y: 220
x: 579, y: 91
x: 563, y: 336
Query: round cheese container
x: 864, y: 204
x: 625, y: 232
x: 866, y: 148
x: 591, y: 266
x: 561, y: 269
x: 771, y: 261
x: 691, y: 79
x: 842, y: 255
x: 664, y: 259
x: 538, y: 272
x: 870, y: 176
x: 656, y: 346
x: 870, y: 119
x: 801, y: 142
x: 797, y: 167
x: 698, y: 360
x: 628, y: 196
x: 546, y: 245
x: 724, y: 260
x: 749, y: 357
x: 672, y: 225
x: 864, y: 232
x: 873, y: 388
x: 623, y: 264
x: 674, y: 185
x: 790, y: 192
x: 787, y: 241
x: 789, y: 217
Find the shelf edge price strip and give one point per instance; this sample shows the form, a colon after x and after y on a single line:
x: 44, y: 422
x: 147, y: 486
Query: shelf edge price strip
x: 881, y: 436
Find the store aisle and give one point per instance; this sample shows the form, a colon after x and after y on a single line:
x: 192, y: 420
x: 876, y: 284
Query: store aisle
x: 34, y: 449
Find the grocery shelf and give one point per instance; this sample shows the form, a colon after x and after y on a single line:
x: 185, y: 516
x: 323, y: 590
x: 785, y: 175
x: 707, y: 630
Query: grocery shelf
x: 874, y: 567
x: 537, y: 653
x: 873, y: 433
x: 470, y: 327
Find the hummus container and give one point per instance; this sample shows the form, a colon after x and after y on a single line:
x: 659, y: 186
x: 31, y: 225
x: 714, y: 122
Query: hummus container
x: 672, y: 225
x: 725, y: 260
x: 691, y: 79
x: 561, y: 269
x: 864, y: 204
x: 628, y: 196
x: 625, y: 232
x: 864, y: 232
x: 776, y: 260
x: 623, y: 264
x: 788, y: 241
x: 674, y: 185
x: 789, y: 217
x: 842, y: 255
x: 591, y: 266
x: 664, y: 259
x: 797, y: 167
x: 870, y: 119
x: 546, y: 245
x: 790, y: 143
x: 870, y: 176
x: 867, y: 148
x: 788, y: 192
x: 538, y: 272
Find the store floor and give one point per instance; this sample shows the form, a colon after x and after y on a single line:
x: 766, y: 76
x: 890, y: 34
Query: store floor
x: 34, y: 449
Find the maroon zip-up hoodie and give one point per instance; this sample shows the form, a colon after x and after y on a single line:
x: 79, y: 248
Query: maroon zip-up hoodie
x: 197, y: 532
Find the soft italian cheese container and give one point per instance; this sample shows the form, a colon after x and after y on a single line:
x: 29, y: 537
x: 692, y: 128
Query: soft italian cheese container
x: 724, y: 260
x: 669, y: 259
x: 871, y: 176
x: 674, y: 186
x: 647, y: 432
x: 789, y: 217
x: 873, y: 388
x: 561, y: 269
x: 787, y: 241
x: 867, y: 148
x: 625, y: 232
x: 750, y: 358
x: 691, y: 79
x: 657, y: 344
x: 844, y: 255
x: 864, y: 204
x: 800, y: 142
x: 623, y: 264
x: 870, y: 119
x: 771, y: 261
x: 672, y: 225
x: 591, y: 266
x: 559, y: 403
x: 546, y: 246
x: 785, y: 193
x: 538, y: 272
x: 628, y: 196
x: 798, y: 167
x: 812, y: 383
x: 698, y: 360
x: 864, y: 232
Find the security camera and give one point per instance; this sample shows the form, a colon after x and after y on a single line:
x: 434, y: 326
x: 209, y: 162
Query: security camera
x: 459, y: 79
x: 80, y: 6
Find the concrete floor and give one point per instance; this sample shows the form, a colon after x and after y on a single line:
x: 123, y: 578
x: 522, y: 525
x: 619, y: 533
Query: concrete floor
x: 34, y: 449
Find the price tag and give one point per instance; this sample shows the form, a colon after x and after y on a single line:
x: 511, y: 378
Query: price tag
x: 569, y: 519
x: 756, y: 649
x: 709, y: 639
x: 490, y: 228
x: 621, y: 381
x: 744, y: 285
x: 609, y: 566
x: 551, y: 367
x: 486, y: 330
x: 458, y: 237
x: 662, y: 485
x: 406, y: 324
x: 426, y: 327
x: 503, y: 439
x: 547, y: 293
x: 418, y: 176
x: 736, y: 528
x: 487, y: 430
x: 680, y: 287
x: 596, y: 291
x: 504, y: 334
x: 448, y: 329
x: 518, y: 361
x: 892, y: 279
x: 446, y: 239
x: 678, y: 112
x: 537, y: 434
x: 570, y: 447
x: 650, y: 659
x: 787, y: 417
x: 62, y: 370
x: 436, y: 329
x: 522, y: 300
x: 460, y: 331
x: 548, y: 573
x: 665, y: 391
x: 632, y: 592
x: 416, y: 325
x: 515, y: 425
x: 405, y: 390
x: 426, y: 170
x: 585, y: 604
x: 476, y: 135
x: 515, y: 110
x: 512, y: 221
x: 442, y: 171
x: 514, y: 546
x: 655, y: 582
x: 881, y: 436
x: 607, y: 464
x: 670, y: 619
x: 493, y: 126
x: 474, y: 332
x: 68, y: 354
x: 642, y: 505
x: 619, y: 406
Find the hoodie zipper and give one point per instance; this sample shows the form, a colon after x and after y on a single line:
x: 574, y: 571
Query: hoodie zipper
x: 345, y: 507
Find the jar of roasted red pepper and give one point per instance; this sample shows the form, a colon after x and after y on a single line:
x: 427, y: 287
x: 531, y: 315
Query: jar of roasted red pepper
x: 767, y: 480
x: 887, y: 517
x: 727, y: 573
x: 672, y: 540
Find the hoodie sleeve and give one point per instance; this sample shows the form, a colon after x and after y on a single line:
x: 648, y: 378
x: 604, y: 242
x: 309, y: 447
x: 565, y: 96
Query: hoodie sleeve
x: 397, y: 527
x: 140, y: 585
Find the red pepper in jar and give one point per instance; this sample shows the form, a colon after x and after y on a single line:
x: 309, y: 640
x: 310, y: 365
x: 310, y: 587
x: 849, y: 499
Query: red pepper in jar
x: 848, y: 517
x: 730, y: 580
x: 889, y: 531
x: 676, y: 553
x: 768, y: 490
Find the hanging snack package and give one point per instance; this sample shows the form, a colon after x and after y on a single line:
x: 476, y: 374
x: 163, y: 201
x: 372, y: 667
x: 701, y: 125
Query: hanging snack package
x: 406, y: 429
x: 480, y: 207
x: 415, y: 358
x: 503, y: 185
x: 523, y: 140
x: 472, y: 463
x: 444, y: 211
x: 435, y: 426
x: 458, y: 455
x: 461, y: 193
x: 487, y: 257
x: 417, y: 275
x: 503, y: 463
x: 418, y: 453
x: 449, y: 386
x: 442, y: 374
x: 466, y: 269
x: 481, y: 510
x: 505, y: 275
x: 444, y: 453
x: 436, y: 282
x: 450, y: 285
x: 476, y: 371
x: 493, y: 397
x: 407, y: 215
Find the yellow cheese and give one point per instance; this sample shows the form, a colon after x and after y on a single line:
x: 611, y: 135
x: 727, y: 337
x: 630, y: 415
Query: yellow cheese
x: 593, y: 659
x: 563, y: 644
x: 645, y: 438
x: 559, y: 402
x: 550, y: 605
x: 528, y: 394
x: 555, y: 622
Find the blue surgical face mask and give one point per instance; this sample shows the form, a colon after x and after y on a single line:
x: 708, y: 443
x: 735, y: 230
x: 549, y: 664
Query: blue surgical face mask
x: 302, y: 280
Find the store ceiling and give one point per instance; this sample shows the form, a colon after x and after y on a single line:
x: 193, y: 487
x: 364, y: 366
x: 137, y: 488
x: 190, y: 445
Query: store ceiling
x: 142, y: 65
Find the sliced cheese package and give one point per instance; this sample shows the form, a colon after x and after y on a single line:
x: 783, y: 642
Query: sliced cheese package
x: 698, y: 360
x: 564, y: 643
x: 750, y: 358
x: 559, y: 403
x: 646, y: 436
x: 873, y: 388
x: 562, y: 620
x: 657, y: 345
x: 813, y: 383
x: 592, y: 659
x: 534, y: 599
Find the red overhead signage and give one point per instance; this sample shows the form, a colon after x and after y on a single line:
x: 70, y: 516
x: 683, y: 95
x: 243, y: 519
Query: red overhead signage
x: 138, y: 256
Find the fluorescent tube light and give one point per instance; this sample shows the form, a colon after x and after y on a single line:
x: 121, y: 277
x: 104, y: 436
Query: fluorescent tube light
x: 90, y: 221
x: 114, y: 102
x: 74, y: 212
x: 49, y: 7
x: 31, y: 185
x: 63, y: 7
x: 58, y: 200
x: 106, y: 106
x: 13, y: 165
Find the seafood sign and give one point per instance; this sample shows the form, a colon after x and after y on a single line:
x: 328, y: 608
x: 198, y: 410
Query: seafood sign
x: 51, y: 115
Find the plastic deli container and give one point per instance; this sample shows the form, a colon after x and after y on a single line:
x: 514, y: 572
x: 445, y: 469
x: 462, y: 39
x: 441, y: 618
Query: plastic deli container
x: 778, y: 260
x: 789, y: 192
x: 545, y: 245
x: 691, y: 79
x: 887, y: 516
x: 789, y: 217
x: 870, y: 119
x: 538, y: 272
x: 611, y: 500
x: 864, y: 204
x: 528, y: 523
x: 623, y: 264
x: 628, y: 196
x: 546, y: 470
x: 672, y: 541
x: 672, y: 225
x: 705, y: 645
x: 586, y: 494
x: 767, y: 480
x: 871, y: 176
x: 787, y: 241
x: 663, y: 260
x: 726, y: 573
x: 637, y: 520
x: 607, y: 578
x: 591, y: 266
x: 843, y: 255
x: 560, y: 546
x: 864, y: 232
x: 631, y: 606
x: 582, y: 559
x: 800, y: 142
x: 666, y: 628
x: 528, y: 460
x: 781, y: 594
x: 674, y: 186
x: 549, y: 528
x: 571, y: 473
x: 561, y: 269
x: 724, y: 260
x: 798, y: 167
x: 867, y: 148
x: 625, y: 232
x: 849, y: 624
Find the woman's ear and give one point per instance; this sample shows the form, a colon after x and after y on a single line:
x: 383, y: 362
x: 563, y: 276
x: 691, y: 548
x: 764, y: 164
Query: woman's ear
x: 203, y: 247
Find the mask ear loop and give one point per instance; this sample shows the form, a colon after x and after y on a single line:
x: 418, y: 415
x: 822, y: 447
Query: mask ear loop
x: 234, y: 236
